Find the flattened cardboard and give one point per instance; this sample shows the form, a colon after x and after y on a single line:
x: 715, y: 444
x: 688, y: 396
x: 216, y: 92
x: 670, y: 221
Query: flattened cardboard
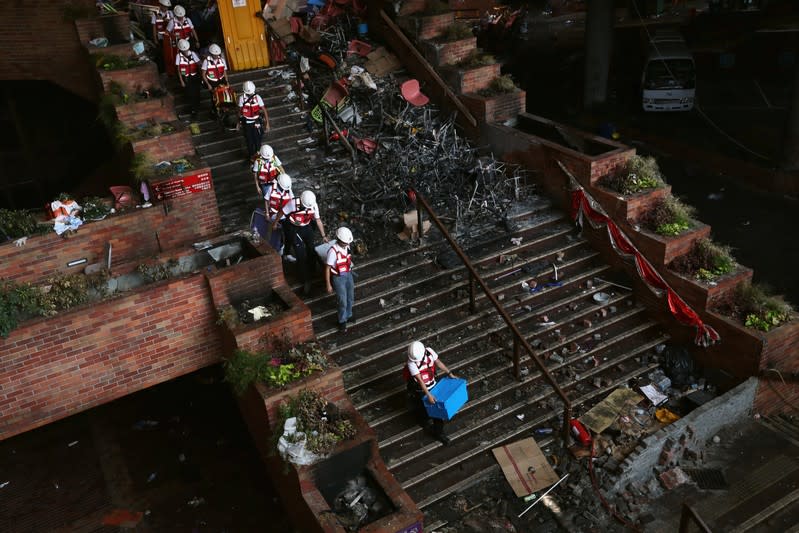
x: 603, y: 414
x: 525, y: 466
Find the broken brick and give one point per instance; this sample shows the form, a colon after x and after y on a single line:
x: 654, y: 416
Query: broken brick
x: 673, y: 478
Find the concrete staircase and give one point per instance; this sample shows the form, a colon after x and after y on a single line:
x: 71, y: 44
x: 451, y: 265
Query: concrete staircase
x: 224, y: 151
x: 403, y: 295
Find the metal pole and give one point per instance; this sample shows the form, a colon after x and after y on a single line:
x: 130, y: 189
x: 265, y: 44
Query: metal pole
x: 471, y: 293
x: 516, y: 350
x: 542, y: 496
x: 419, y: 221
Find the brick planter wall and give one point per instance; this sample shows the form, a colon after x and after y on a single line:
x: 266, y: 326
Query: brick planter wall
x: 499, y: 108
x: 307, y: 507
x: 257, y: 277
x: 423, y: 27
x: 116, y: 28
x: 661, y: 250
x: 121, y: 49
x: 57, y: 366
x: 470, y: 80
x: 704, y: 295
x: 131, y: 79
x: 166, y: 147
x: 448, y: 53
x: 409, y: 7
x: 133, y: 234
x: 157, y: 109
x: 631, y: 207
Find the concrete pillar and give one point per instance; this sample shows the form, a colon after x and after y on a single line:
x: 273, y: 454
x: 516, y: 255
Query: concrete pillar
x: 598, y: 43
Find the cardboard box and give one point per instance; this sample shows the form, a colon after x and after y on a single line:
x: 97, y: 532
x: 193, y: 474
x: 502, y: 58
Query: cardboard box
x: 450, y: 396
x: 381, y: 62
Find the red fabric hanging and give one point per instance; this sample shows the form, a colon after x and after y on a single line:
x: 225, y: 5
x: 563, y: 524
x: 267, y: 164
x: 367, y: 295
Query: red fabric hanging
x: 581, y: 208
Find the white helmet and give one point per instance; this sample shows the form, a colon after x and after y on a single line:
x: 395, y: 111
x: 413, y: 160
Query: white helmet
x: 183, y: 45
x: 308, y: 199
x: 249, y: 87
x: 284, y: 182
x: 344, y: 235
x: 415, y: 351
x: 214, y: 50
x: 180, y: 11
x: 165, y: 3
x: 267, y: 152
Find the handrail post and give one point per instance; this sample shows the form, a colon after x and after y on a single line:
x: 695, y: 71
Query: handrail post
x: 472, y: 306
x: 567, y: 417
x: 419, y: 221
x: 516, y: 350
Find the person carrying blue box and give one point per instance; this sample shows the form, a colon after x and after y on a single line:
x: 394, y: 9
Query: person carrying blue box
x: 420, y: 378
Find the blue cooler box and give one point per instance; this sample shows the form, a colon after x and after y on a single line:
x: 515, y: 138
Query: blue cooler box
x: 450, y: 396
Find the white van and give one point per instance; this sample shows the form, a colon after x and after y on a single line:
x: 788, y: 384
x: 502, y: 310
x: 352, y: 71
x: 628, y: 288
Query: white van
x: 669, y: 79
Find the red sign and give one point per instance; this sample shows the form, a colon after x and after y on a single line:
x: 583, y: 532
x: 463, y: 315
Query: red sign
x: 182, y: 185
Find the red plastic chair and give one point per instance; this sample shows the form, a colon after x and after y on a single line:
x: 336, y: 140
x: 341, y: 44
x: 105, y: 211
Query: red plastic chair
x: 411, y: 93
x: 123, y: 196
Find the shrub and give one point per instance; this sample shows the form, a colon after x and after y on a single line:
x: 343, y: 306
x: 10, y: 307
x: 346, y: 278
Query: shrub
x: 16, y: 223
x: 276, y: 369
x: 706, y: 260
x: 456, y: 32
x: 63, y: 292
x: 757, y: 307
x: 639, y: 174
x: 94, y: 208
x: 477, y: 59
x: 669, y: 217
x: 321, y: 422
x: 499, y: 85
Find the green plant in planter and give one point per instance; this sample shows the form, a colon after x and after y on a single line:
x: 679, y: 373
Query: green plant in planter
x: 156, y: 272
x: 114, y: 62
x: 757, y: 307
x: 142, y: 167
x: 275, y: 369
x: 669, y: 217
x: 456, y: 32
x: 94, y: 208
x: 17, y: 302
x: 321, y: 422
x: 16, y: 223
x: 499, y: 85
x: 62, y: 292
x: 476, y: 59
x: 706, y: 261
x: 228, y: 315
x: 639, y: 174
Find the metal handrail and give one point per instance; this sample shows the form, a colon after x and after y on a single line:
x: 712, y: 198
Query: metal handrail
x: 689, y: 515
x: 519, y: 341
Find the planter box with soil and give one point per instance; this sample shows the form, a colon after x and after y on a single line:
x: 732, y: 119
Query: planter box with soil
x: 464, y: 80
x: 143, y: 74
x: 440, y: 53
x: 158, y: 109
x: 661, y: 250
x: 630, y: 207
x: 165, y: 146
x: 498, y: 108
x: 703, y: 294
x: 114, y: 27
x: 422, y: 27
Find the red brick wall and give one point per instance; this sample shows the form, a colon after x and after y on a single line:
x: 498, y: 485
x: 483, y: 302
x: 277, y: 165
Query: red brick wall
x: 424, y: 27
x: 449, y: 53
x: 253, y: 278
x: 116, y: 28
x: 490, y: 109
x: 38, y: 44
x: 191, y: 218
x: 477, y: 79
x: 409, y: 7
x: 157, y: 109
x: 166, y: 147
x: 131, y: 79
x: 54, y: 367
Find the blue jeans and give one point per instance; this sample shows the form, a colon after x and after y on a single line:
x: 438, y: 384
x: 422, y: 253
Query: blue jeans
x: 344, y: 286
